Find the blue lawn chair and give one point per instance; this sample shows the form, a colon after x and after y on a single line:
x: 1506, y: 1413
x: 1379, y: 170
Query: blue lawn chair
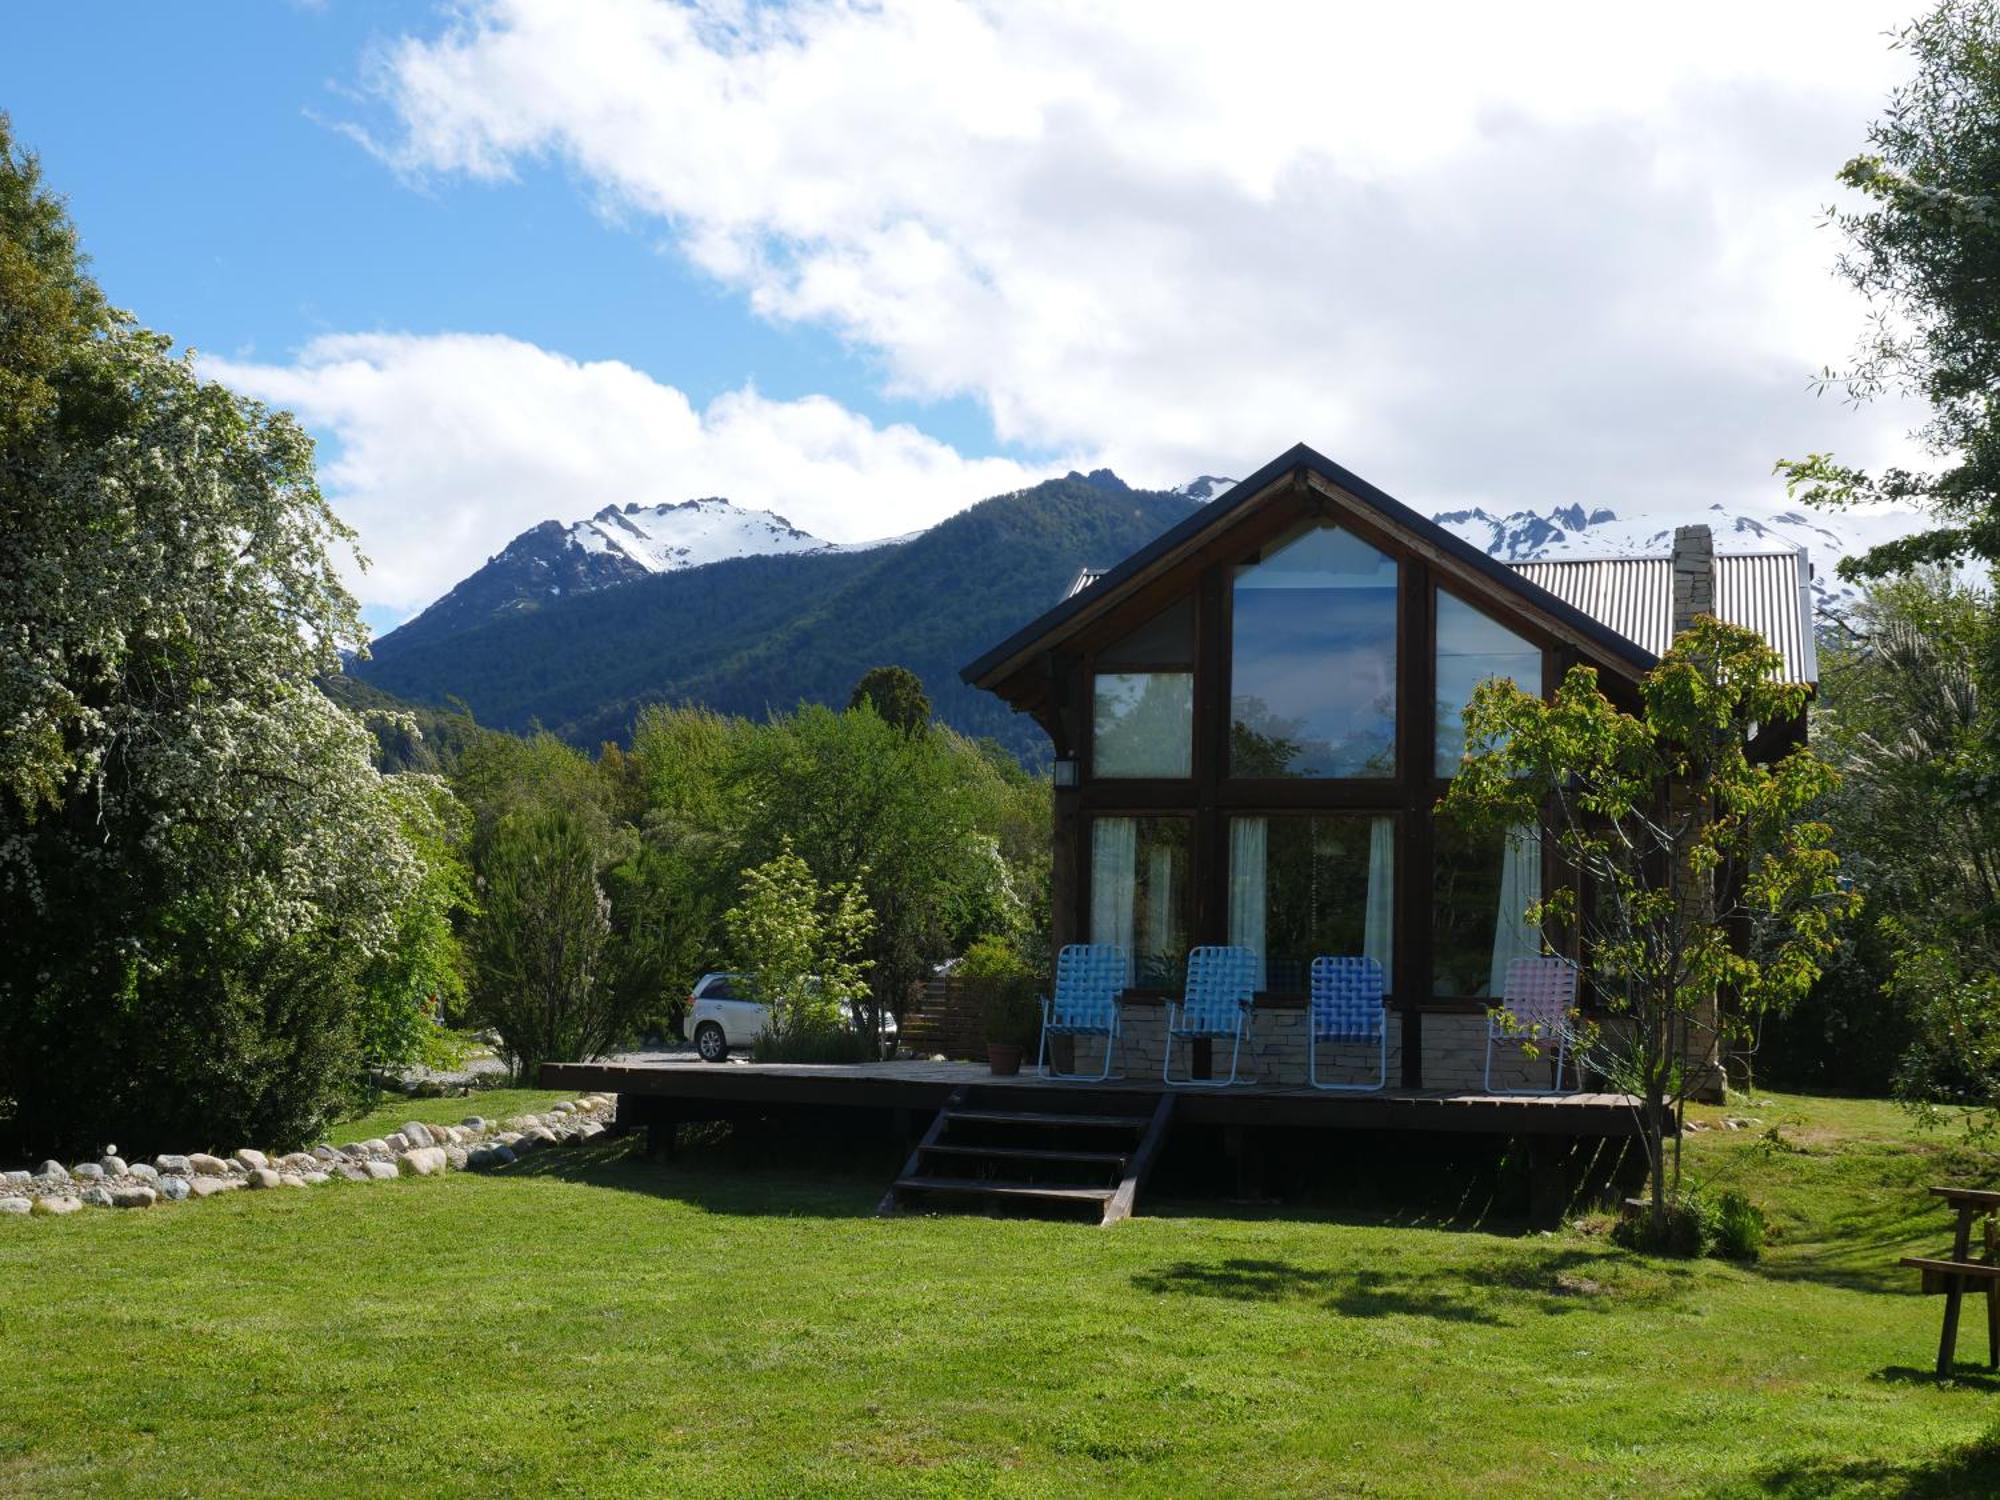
x: 1535, y: 1010
x: 1089, y: 979
x: 1221, y: 992
x: 1347, y: 1005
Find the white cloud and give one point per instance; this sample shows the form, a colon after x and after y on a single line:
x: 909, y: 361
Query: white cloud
x: 448, y: 446
x: 1482, y: 253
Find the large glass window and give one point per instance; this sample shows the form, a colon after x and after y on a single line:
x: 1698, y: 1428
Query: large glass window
x: 1142, y: 724
x: 1303, y: 886
x: 1472, y: 647
x: 1484, y: 884
x: 1313, y: 665
x: 1140, y: 890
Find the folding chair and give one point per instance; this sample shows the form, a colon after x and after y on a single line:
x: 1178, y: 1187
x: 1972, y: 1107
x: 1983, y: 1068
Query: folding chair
x: 1089, y: 979
x: 1221, y: 991
x: 1539, y: 995
x: 1347, y: 1005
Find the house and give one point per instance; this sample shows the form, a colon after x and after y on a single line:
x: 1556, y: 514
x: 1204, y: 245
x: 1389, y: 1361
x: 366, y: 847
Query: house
x: 1254, y: 716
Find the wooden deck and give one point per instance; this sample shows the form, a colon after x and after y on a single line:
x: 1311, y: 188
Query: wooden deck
x: 730, y: 1087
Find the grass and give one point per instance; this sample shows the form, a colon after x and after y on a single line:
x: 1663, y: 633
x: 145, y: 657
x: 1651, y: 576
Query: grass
x: 739, y: 1324
x: 390, y: 1111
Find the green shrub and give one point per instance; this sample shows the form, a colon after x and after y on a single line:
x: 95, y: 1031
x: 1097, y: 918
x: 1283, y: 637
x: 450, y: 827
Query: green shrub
x: 1739, y: 1228
x: 1731, y: 1227
x: 812, y: 1044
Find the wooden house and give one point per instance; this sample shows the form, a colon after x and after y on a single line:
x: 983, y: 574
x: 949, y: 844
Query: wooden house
x: 1253, y: 718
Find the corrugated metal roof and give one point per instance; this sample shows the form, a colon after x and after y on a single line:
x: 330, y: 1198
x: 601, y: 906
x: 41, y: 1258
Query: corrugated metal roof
x: 1770, y: 592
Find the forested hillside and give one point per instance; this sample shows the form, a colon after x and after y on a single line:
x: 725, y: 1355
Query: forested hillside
x: 757, y: 633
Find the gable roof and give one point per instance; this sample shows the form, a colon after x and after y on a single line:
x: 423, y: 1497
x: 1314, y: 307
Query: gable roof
x: 1088, y: 598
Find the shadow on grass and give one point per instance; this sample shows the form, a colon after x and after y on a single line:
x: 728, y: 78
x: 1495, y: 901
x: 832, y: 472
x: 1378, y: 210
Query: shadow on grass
x: 1970, y: 1471
x: 1549, y: 1283
x: 1971, y: 1377
x: 725, y: 1177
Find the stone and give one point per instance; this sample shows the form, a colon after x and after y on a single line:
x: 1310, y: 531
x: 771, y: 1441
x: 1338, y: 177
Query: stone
x: 291, y: 1180
x: 453, y: 1136
x: 96, y: 1197
x: 397, y: 1144
x: 235, y: 1168
x: 589, y: 1131
x: 456, y: 1157
x: 251, y: 1161
x: 562, y: 1107
x: 474, y: 1122
x: 489, y: 1156
x: 133, y: 1197
x: 87, y: 1171
x: 314, y: 1179
x: 57, y: 1203
x: 174, y: 1189
x: 16, y: 1206
x: 325, y: 1153
x: 379, y: 1170
x: 260, y: 1177
x: 208, y: 1187
x: 146, y: 1174
x: 17, y: 1179
x: 54, y: 1170
x: 298, y: 1161
x: 114, y: 1166
x: 524, y: 1122
x: 377, y: 1147
x: 508, y: 1137
x: 423, y: 1161
x: 354, y: 1151
x: 417, y: 1133
x: 208, y: 1166
x: 174, y: 1166
x: 535, y: 1139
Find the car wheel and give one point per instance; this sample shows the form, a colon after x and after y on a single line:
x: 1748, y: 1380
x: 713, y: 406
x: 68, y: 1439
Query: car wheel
x: 711, y: 1043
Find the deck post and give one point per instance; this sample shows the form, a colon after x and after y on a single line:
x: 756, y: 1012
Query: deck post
x: 1548, y: 1180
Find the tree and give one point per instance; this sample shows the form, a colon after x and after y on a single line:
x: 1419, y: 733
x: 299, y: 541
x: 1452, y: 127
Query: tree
x: 798, y: 946
x: 897, y: 694
x: 541, y: 945
x: 200, y: 867
x: 1926, y: 253
x: 1905, y: 718
x: 910, y: 819
x: 1704, y: 875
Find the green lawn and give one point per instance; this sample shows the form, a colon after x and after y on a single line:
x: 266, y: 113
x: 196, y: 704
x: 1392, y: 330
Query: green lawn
x: 586, y: 1323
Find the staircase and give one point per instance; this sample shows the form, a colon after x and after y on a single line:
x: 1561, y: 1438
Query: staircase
x: 987, y: 1152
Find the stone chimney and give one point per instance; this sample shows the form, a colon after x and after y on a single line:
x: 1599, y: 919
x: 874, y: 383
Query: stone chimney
x: 1694, y: 575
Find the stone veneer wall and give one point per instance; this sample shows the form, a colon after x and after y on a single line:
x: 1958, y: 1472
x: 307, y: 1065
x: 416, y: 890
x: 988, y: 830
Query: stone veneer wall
x: 1454, y: 1052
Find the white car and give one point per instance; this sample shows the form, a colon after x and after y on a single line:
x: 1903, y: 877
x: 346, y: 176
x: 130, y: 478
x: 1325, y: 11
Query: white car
x: 721, y: 1018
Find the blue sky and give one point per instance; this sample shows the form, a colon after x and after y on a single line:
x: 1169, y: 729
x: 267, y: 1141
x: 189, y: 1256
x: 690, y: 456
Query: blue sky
x: 224, y: 204
x: 865, y: 264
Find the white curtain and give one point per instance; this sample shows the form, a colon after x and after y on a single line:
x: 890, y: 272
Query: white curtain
x: 1160, y: 907
x: 1114, y: 848
x: 1377, y: 933
x: 1520, y: 888
x: 1248, y: 842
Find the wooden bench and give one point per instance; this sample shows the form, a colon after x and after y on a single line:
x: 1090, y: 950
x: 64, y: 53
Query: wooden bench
x: 1955, y: 1274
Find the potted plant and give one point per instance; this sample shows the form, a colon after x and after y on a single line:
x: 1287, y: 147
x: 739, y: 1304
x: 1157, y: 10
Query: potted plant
x: 1012, y: 1013
x: 1013, y: 1020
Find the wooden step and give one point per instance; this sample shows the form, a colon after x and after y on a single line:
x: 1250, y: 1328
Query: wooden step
x: 1017, y: 1153
x: 1030, y: 1117
x: 1019, y: 1192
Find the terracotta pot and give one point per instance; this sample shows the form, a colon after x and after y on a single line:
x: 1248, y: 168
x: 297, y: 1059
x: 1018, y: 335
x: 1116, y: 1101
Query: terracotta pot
x: 1004, y: 1058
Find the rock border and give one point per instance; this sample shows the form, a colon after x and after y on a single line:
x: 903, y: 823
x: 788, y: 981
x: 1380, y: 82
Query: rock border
x: 417, y: 1150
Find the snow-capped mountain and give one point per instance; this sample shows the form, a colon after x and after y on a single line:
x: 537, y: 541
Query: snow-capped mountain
x: 660, y: 538
x: 1204, y: 489
x: 617, y: 545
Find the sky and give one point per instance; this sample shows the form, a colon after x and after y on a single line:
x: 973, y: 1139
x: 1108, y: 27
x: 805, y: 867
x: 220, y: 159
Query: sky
x: 864, y: 265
